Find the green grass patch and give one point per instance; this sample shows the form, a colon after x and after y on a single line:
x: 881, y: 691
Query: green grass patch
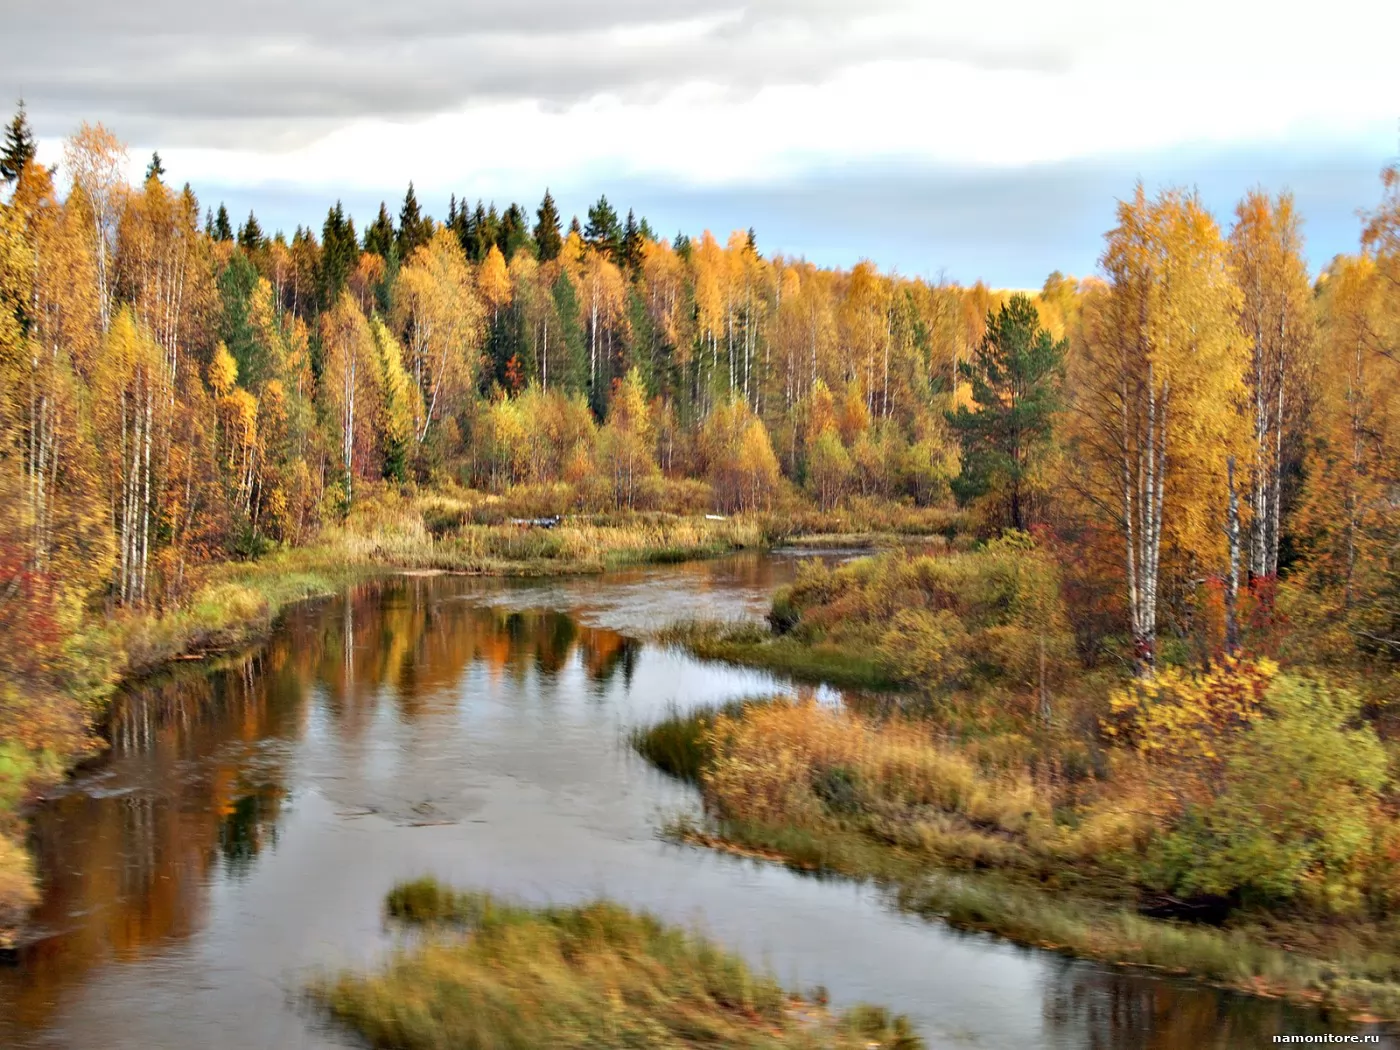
x: 752, y: 645
x: 491, y: 974
x: 678, y: 744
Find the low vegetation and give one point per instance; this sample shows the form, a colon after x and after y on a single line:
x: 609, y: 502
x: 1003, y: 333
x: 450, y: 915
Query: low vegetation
x: 493, y: 974
x: 1238, y: 823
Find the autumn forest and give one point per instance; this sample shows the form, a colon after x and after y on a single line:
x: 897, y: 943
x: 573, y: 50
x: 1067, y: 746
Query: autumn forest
x: 1135, y: 532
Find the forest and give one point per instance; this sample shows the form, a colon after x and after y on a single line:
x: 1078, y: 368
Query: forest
x: 1139, y: 527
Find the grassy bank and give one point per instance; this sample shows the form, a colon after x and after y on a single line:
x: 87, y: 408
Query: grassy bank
x: 979, y: 847
x: 492, y: 974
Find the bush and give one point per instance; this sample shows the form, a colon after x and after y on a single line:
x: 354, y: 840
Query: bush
x: 938, y: 619
x: 1297, y: 809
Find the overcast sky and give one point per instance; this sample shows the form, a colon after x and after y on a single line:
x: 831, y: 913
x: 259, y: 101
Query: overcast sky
x: 970, y: 140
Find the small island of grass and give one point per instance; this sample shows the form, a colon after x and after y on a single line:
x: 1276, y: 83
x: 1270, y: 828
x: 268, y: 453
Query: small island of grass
x: 493, y: 974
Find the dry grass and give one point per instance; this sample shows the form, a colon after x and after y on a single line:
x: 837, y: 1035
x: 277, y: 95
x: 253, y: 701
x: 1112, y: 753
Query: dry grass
x: 791, y: 762
x: 978, y: 844
x: 494, y: 975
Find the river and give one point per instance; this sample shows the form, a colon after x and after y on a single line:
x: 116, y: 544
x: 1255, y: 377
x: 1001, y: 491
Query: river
x: 248, y: 819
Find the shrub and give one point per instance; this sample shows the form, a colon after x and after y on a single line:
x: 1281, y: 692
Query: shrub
x: 1298, y: 807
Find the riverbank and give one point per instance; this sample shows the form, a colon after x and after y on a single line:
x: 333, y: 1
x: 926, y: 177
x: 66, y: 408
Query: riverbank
x: 230, y: 606
x: 227, y: 606
x: 493, y: 974
x: 981, y: 852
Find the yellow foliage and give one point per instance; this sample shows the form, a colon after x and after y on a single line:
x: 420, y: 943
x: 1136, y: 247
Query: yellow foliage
x: 1178, y: 714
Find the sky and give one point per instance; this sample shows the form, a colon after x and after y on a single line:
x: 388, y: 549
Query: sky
x: 959, y: 141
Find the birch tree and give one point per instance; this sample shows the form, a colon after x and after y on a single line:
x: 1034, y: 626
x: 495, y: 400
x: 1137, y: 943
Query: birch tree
x: 1160, y: 383
x: 440, y: 316
x: 1276, y: 314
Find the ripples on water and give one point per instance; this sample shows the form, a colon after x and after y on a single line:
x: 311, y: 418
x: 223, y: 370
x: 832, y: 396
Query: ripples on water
x: 247, y: 822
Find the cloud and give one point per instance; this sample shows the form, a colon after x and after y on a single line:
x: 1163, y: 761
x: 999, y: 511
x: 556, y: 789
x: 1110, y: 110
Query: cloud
x: 278, y: 75
x: 942, y: 135
x: 254, y: 73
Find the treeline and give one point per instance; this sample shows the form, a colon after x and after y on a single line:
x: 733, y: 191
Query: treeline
x: 177, y: 390
x: 1198, y: 418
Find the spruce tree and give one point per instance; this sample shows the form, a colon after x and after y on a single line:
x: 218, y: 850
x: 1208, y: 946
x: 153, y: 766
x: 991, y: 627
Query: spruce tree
x: 681, y: 246
x: 415, y: 228
x: 1015, y: 378
x: 155, y: 169
x: 464, y: 227
x: 515, y: 231
x: 752, y: 242
x: 489, y: 232
x: 20, y: 147
x: 575, y: 228
x: 250, y: 237
x: 380, y: 237
x: 339, y: 252
x: 548, y: 240
x: 631, y: 255
x: 603, y: 231
x: 647, y: 232
x: 223, y: 229
x: 480, y: 234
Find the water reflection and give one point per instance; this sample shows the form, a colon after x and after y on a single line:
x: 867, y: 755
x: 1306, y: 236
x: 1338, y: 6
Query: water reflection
x: 1102, y: 1009
x: 246, y: 821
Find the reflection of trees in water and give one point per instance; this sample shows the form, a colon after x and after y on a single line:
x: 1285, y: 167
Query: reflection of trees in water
x: 1100, y: 1009
x: 249, y: 825
x: 203, y: 793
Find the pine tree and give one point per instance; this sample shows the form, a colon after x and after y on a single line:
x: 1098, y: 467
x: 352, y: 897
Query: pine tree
x: 603, y: 232
x: 223, y: 229
x: 20, y: 147
x: 631, y: 244
x: 155, y: 169
x: 548, y: 240
x: 1014, y: 376
x: 250, y: 237
x: 380, y: 237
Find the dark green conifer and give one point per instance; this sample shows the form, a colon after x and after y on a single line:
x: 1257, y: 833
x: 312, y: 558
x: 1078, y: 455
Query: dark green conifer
x: 19, y: 148
x: 631, y: 254
x: 380, y: 237
x: 603, y: 231
x: 548, y: 240
x: 250, y: 237
x: 223, y: 229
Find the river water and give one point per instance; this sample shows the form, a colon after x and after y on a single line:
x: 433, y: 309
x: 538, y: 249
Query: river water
x: 243, y: 829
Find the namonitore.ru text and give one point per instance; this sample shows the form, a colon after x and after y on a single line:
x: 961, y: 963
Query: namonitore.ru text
x: 1329, y: 1038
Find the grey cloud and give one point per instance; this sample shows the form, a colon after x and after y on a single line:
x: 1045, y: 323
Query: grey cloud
x: 263, y: 72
